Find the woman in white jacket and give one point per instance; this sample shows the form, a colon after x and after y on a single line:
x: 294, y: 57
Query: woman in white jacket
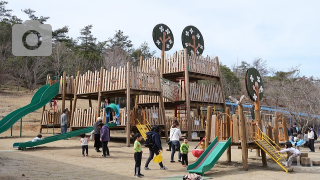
x: 175, y: 135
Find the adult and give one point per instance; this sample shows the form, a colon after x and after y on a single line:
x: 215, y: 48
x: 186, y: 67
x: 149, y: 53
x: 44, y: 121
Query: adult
x: 96, y: 132
x: 64, y: 121
x: 169, y: 142
x: 109, y: 111
x: 104, y: 138
x: 155, y: 148
x: 175, y: 135
x: 311, y: 139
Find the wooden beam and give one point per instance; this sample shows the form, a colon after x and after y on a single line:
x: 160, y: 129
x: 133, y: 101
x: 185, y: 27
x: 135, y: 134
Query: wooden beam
x: 220, y: 83
x: 243, y: 138
x: 196, y: 77
x: 90, y: 103
x: 285, y: 129
x: 228, y: 133
x: 64, y: 90
x: 99, y: 91
x: 137, y: 96
x: 74, y: 99
x: 128, y: 128
x: 186, y: 79
x: 275, y: 128
x: 259, y: 121
x: 161, y: 106
x: 208, y: 126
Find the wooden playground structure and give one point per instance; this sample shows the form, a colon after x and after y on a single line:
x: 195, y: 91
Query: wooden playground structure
x: 148, y: 87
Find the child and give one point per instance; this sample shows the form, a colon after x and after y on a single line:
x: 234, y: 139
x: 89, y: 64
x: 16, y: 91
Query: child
x: 84, y: 143
x: 295, y: 153
x: 39, y: 137
x: 184, y: 152
x: 137, y: 155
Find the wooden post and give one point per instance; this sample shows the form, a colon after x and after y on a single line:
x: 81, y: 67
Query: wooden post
x: 228, y: 133
x: 269, y: 131
x: 64, y: 91
x: 70, y: 106
x: 137, y: 96
x: 186, y: 79
x: 161, y: 105
x: 74, y: 100
x: 243, y: 138
x: 275, y: 128
x: 128, y: 128
x: 99, y: 93
x: 220, y: 83
x: 258, y: 120
x: 208, y: 126
x: 44, y: 107
x: 90, y: 103
x: 285, y: 129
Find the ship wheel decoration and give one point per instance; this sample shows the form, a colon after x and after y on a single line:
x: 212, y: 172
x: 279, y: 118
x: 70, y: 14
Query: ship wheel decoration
x: 254, y: 85
x: 192, y: 40
x: 163, y: 37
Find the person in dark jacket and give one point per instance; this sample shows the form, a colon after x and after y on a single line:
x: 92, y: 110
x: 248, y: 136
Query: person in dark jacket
x: 155, y: 134
x: 104, y: 138
x: 96, y: 132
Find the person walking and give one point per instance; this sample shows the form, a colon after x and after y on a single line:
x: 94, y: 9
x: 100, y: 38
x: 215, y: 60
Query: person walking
x: 154, y: 135
x: 96, y: 132
x: 84, y: 144
x: 64, y: 121
x: 104, y: 138
x: 175, y: 135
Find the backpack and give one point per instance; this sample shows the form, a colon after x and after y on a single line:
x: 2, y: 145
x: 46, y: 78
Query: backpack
x: 149, y: 143
x: 315, y: 135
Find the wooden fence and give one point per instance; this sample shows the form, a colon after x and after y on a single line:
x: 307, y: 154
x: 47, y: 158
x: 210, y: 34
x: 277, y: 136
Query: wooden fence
x: 198, y: 92
x: 51, y: 117
x: 70, y: 85
x: 196, y: 124
x: 116, y: 79
x: 176, y: 63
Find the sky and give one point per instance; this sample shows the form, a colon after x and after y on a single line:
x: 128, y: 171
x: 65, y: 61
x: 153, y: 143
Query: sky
x: 285, y: 33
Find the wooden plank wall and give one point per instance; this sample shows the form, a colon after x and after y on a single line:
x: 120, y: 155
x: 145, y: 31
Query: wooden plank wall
x: 196, y: 124
x: 198, y: 92
x: 115, y: 79
x: 46, y: 115
x: 86, y: 117
x: 176, y: 63
x: 203, y: 65
x: 70, y: 85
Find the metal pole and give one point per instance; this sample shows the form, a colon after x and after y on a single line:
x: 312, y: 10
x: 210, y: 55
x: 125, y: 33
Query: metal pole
x: 11, y: 130
x: 20, y: 127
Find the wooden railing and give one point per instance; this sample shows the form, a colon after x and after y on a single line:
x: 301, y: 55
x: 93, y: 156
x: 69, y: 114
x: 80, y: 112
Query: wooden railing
x: 70, y: 85
x: 116, y: 79
x: 198, y: 92
x: 196, y: 124
x: 176, y: 63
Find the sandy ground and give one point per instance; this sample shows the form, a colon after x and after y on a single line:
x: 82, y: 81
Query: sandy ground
x: 63, y: 159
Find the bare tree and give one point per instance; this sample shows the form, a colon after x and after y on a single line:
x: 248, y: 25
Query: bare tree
x: 298, y: 94
x: 115, y: 57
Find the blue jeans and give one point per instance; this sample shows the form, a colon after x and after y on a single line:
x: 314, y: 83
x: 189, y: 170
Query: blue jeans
x: 174, y: 145
x: 64, y: 129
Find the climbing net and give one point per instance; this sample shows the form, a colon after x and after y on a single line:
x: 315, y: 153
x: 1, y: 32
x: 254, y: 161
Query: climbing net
x: 170, y: 89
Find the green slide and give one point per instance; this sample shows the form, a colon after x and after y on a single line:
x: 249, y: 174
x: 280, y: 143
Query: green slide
x: 209, y: 157
x: 24, y: 145
x: 39, y: 99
